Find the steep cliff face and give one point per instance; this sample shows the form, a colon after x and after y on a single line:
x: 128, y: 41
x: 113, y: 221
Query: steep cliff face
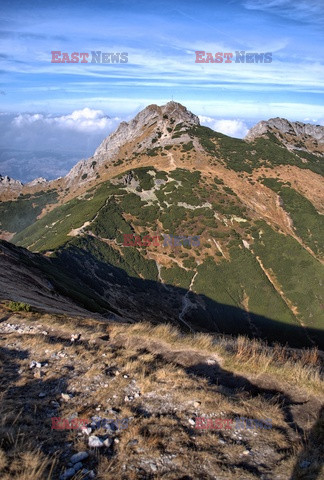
x: 293, y: 135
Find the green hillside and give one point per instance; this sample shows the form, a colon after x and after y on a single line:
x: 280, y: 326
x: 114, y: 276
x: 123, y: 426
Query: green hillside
x: 230, y: 290
x: 16, y: 215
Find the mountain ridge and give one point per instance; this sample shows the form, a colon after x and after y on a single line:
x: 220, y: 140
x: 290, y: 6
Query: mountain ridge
x: 256, y: 207
x: 293, y: 135
x: 128, y: 131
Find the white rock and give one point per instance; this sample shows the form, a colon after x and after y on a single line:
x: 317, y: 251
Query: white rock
x: 95, y: 442
x: 65, y: 396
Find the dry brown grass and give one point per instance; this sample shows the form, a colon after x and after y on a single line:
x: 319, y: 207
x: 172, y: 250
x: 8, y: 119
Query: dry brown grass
x: 157, y: 359
x: 301, y: 367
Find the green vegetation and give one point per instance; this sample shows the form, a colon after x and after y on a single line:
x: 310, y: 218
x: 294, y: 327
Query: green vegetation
x: 187, y: 147
x: 161, y: 174
x: 19, y: 307
x: 119, y: 162
x: 237, y: 281
x: 176, y: 276
x: 272, y: 183
x: 110, y: 223
x: 146, y: 180
x: 52, y: 231
x: 206, y: 137
x: 299, y: 274
x: 153, y: 152
x: 238, y: 295
x: 18, y: 214
x: 229, y: 190
x: 130, y: 261
x: 273, y: 138
x: 172, y: 217
x: 189, y: 262
x: 308, y: 223
x: 219, y: 181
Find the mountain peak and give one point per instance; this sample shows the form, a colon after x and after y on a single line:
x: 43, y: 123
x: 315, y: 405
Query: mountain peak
x: 293, y: 135
x: 151, y: 127
x: 161, y: 116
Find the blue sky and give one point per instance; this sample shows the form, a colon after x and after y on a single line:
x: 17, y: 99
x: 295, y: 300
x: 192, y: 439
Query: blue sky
x: 41, y: 101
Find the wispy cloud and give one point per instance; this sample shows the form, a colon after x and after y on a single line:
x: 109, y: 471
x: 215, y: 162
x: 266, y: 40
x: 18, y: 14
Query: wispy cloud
x: 301, y: 10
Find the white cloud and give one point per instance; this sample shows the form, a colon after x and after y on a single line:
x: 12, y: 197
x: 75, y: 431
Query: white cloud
x: 85, y: 120
x: 233, y: 128
x: 26, y: 119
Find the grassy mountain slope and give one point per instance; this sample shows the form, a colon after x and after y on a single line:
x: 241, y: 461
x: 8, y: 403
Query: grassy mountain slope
x: 258, y: 266
x: 236, y: 263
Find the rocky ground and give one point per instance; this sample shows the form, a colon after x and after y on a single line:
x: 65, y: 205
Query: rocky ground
x: 141, y: 389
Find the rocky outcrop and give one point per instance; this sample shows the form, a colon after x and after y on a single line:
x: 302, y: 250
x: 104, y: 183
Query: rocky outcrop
x: 37, y: 181
x: 293, y: 135
x: 9, y: 183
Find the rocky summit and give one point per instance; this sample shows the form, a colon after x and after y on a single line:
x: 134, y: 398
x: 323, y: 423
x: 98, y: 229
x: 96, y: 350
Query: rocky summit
x: 152, y: 126
x: 294, y: 135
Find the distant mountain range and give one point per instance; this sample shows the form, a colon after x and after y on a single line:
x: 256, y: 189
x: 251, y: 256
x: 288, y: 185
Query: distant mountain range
x: 256, y: 205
